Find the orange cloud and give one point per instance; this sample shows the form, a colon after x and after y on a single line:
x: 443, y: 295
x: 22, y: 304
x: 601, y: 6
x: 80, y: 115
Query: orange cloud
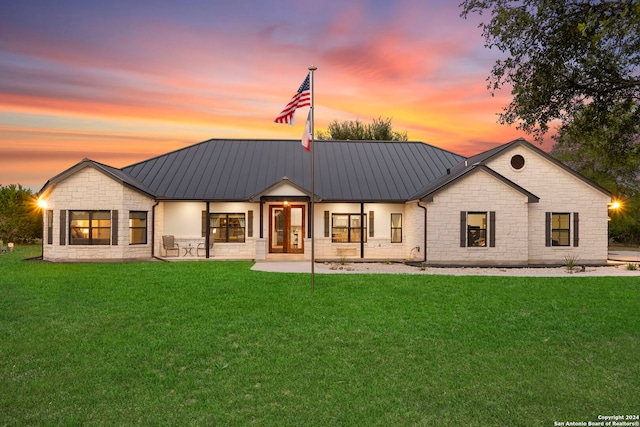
x: 127, y: 87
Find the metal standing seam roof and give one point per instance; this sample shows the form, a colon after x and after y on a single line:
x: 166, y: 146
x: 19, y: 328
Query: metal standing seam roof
x: 236, y: 170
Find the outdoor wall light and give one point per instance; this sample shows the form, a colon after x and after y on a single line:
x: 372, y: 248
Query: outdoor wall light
x: 614, y: 205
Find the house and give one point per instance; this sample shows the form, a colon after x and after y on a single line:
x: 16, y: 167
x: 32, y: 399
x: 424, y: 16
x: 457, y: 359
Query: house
x: 252, y: 199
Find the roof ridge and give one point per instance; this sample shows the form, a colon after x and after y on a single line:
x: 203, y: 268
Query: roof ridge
x: 263, y: 162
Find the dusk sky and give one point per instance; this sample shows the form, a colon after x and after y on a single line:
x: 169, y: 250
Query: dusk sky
x: 120, y: 81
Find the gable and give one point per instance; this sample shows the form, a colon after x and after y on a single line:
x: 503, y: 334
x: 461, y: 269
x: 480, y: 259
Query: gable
x: 284, y: 188
x: 480, y: 185
x: 115, y: 175
x: 540, y: 173
x: 88, y: 188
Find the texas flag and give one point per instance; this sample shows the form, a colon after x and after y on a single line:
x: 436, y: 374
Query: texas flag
x: 306, y: 136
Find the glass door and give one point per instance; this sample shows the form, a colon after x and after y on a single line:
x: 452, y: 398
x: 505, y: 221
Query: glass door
x: 286, y: 229
x: 276, y: 233
x: 296, y: 229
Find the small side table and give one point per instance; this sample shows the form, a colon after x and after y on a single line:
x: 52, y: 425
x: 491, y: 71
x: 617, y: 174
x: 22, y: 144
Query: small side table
x: 187, y: 250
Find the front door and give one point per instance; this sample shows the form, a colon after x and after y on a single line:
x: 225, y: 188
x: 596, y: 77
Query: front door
x: 286, y: 229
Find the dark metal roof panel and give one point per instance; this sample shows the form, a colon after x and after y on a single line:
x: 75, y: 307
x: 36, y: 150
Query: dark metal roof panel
x: 221, y: 169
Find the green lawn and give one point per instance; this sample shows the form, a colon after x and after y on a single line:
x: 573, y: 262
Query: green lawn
x: 214, y: 343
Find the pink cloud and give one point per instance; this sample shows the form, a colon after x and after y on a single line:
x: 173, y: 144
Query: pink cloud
x: 157, y: 84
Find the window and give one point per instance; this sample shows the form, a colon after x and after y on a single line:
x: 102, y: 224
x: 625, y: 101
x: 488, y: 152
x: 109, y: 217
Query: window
x: 560, y: 232
x: 49, y: 227
x: 228, y: 227
x: 349, y: 228
x: 517, y: 162
x: 558, y: 229
x: 476, y: 229
x: 89, y: 227
x: 396, y: 228
x: 137, y: 228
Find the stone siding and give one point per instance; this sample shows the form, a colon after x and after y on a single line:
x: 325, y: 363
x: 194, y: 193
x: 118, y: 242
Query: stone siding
x: 479, y: 192
x: 559, y: 191
x: 90, y: 190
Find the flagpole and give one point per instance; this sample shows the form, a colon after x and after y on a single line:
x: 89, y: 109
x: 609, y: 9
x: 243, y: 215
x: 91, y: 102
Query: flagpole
x: 313, y: 176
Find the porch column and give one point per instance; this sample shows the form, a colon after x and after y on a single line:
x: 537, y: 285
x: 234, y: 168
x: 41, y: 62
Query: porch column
x: 207, y: 227
x: 361, y: 230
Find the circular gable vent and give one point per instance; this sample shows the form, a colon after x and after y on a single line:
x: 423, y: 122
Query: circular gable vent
x: 517, y: 162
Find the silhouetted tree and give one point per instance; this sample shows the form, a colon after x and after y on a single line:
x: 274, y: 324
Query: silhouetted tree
x: 380, y: 129
x: 585, y: 145
x: 562, y: 56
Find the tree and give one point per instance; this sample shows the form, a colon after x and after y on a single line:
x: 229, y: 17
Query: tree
x: 380, y: 129
x: 562, y: 56
x: 20, y: 218
x: 605, y: 149
x: 576, y: 62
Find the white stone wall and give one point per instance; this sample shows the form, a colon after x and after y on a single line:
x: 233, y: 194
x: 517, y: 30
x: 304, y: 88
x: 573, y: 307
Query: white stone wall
x: 559, y: 191
x: 478, y: 192
x: 413, y: 231
x: 90, y: 189
x: 377, y: 247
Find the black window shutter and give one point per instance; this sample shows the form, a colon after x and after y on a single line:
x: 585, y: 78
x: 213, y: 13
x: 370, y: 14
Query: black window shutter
x: 492, y: 229
x: 114, y: 228
x: 370, y: 223
x: 463, y: 229
x: 249, y: 223
x: 50, y: 227
x: 203, y: 231
x: 547, y: 229
x: 326, y: 224
x: 576, y: 229
x: 63, y: 228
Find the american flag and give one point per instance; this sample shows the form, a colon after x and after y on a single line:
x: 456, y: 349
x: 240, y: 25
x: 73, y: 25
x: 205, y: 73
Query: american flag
x: 302, y: 98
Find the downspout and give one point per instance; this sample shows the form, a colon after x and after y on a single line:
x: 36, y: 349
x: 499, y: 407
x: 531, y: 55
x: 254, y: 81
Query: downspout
x: 424, y: 258
x: 207, y: 235
x: 153, y: 231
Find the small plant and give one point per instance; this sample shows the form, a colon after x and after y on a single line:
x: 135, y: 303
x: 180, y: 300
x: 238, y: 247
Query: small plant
x: 570, y: 261
x: 388, y: 261
x: 423, y: 266
x: 632, y: 266
x: 343, y: 260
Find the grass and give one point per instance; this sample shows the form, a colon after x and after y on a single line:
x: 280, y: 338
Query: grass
x: 214, y: 343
